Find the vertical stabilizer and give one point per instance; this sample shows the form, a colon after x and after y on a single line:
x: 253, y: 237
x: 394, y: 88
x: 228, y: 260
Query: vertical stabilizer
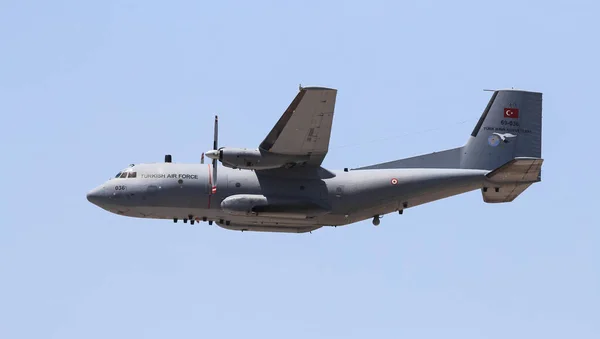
x: 510, y: 127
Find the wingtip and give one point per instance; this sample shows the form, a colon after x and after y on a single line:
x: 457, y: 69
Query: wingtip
x: 317, y: 88
x: 512, y: 89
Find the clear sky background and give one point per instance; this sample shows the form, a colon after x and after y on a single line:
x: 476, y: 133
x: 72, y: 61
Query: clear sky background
x: 86, y: 88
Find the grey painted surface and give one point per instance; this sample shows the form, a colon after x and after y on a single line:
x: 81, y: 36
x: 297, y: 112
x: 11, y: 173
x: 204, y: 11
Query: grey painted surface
x: 305, y: 127
x: 496, y: 139
x: 444, y: 159
x: 304, y: 198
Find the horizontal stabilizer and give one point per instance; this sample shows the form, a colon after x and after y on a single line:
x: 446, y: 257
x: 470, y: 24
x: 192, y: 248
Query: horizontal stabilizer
x: 518, y: 170
x: 508, y: 181
x: 505, y: 193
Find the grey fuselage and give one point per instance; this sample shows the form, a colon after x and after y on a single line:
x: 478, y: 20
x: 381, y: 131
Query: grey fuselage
x: 325, y: 198
x: 280, y: 187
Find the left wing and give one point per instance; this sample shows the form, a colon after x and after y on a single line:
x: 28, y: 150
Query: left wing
x: 304, y: 129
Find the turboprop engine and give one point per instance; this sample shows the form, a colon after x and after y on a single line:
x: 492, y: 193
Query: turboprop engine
x: 253, y: 158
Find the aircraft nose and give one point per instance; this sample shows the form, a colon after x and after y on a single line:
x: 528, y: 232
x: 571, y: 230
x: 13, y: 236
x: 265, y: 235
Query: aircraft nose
x: 96, y: 195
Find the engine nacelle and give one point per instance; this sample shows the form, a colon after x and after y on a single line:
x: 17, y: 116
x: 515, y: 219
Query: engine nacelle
x: 255, y: 159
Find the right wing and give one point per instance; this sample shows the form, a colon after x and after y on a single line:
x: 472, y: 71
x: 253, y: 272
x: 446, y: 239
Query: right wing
x: 304, y: 129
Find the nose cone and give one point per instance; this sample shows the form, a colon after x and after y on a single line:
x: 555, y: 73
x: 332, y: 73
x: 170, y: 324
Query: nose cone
x: 96, y: 196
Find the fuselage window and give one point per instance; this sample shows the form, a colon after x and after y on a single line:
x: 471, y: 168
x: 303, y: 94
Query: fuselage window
x: 118, y: 175
x: 123, y: 175
x: 132, y: 174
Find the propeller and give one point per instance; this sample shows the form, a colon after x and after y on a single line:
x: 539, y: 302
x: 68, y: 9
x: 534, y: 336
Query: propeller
x: 213, y: 189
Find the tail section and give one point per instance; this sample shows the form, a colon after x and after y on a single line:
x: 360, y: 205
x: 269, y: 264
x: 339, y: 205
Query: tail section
x: 510, y: 127
x: 507, y: 141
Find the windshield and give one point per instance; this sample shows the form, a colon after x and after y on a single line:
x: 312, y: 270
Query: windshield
x: 127, y: 173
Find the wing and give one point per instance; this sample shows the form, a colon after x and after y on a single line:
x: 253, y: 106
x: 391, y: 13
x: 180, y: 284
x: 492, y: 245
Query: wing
x: 304, y: 129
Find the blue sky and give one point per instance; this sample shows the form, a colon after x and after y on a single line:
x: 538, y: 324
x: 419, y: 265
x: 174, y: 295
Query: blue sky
x: 87, y: 88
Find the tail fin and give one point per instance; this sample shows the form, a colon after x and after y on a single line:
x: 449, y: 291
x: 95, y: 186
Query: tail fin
x: 508, y: 140
x: 510, y: 127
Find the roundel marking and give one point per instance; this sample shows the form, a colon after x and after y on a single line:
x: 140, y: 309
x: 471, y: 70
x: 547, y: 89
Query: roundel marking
x: 494, y: 140
x: 394, y: 181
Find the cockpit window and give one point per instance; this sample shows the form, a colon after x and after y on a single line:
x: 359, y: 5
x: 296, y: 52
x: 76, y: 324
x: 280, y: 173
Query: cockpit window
x: 126, y: 173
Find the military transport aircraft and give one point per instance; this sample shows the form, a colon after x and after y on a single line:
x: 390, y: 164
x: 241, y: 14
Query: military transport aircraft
x: 281, y: 187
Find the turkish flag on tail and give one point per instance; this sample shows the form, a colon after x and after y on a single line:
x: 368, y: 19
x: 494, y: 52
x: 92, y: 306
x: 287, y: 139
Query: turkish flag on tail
x: 511, y: 113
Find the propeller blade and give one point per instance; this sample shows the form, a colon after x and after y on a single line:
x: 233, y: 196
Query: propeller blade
x: 202, y: 158
x: 216, y: 139
x: 213, y: 190
x: 214, y: 162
